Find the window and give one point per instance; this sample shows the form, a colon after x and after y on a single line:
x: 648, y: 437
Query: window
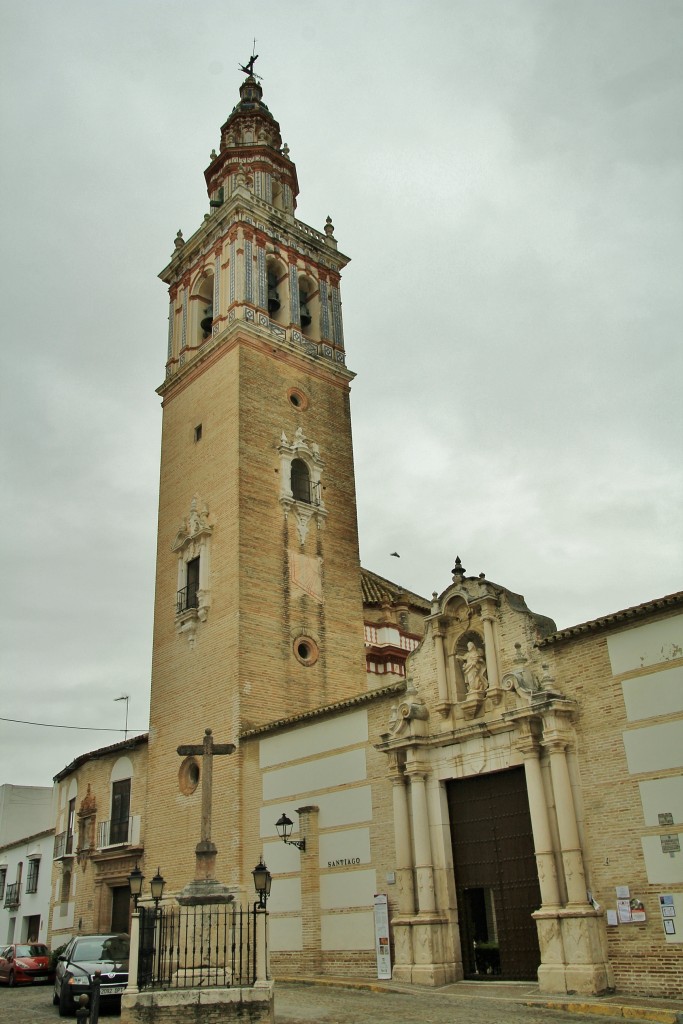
x: 192, y: 546
x: 32, y: 875
x: 120, y: 811
x: 198, y: 433
x: 187, y: 596
x: 70, y: 826
x: 3, y: 879
x: 66, y: 890
x: 301, y: 481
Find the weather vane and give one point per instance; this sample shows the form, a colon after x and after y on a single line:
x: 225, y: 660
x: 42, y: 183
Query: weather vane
x: 248, y: 68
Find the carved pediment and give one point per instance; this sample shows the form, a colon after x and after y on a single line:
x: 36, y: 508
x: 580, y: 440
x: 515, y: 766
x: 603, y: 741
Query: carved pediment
x: 194, y: 527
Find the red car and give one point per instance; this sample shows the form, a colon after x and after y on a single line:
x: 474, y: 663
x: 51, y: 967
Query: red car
x: 25, y: 962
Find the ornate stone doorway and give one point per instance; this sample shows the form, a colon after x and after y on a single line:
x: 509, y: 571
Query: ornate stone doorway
x: 495, y: 876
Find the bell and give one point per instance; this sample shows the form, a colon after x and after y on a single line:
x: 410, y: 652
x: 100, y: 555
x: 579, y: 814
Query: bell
x: 207, y: 321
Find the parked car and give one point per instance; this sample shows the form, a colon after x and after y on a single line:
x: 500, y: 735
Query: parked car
x: 25, y: 963
x: 76, y: 966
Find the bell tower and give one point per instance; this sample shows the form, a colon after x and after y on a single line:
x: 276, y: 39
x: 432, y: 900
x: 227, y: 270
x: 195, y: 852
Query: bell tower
x: 258, y: 608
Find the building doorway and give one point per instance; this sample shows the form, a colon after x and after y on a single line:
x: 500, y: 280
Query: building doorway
x: 496, y: 878
x: 120, y: 908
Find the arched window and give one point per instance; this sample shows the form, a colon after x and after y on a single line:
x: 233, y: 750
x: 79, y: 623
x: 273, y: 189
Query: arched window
x: 202, y: 311
x: 278, y: 292
x: 309, y: 307
x: 301, y: 481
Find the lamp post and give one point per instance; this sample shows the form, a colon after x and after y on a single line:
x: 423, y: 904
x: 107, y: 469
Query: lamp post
x: 262, y: 882
x: 284, y: 826
x: 135, y: 880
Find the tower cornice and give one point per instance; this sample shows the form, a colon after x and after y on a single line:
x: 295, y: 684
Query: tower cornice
x: 235, y: 335
x: 243, y: 208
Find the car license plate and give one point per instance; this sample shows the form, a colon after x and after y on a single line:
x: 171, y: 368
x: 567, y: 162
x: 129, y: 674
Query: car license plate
x: 112, y: 990
x: 40, y: 977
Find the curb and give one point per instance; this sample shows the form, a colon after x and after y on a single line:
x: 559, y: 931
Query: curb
x: 634, y: 1013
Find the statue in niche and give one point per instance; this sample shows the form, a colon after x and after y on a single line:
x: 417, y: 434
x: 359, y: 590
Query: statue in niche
x: 474, y: 668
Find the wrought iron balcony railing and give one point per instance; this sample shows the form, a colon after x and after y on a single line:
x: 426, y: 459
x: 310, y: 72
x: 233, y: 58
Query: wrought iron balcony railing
x: 125, y: 832
x: 187, y: 598
x: 13, y: 894
x: 64, y: 845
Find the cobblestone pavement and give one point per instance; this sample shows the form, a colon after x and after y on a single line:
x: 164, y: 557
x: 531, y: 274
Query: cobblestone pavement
x: 32, y: 1004
x: 336, y: 1004
x: 304, y: 1004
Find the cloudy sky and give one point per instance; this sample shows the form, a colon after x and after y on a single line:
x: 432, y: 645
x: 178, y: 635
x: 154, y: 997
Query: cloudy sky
x: 506, y: 178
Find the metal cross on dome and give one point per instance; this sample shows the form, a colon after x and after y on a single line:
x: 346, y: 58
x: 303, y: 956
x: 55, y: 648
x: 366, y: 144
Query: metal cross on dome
x: 207, y: 751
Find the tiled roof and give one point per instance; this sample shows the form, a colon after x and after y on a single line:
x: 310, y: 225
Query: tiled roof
x: 617, y: 618
x: 132, y: 741
x: 377, y: 589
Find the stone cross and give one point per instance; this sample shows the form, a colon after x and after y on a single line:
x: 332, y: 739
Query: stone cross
x: 207, y: 751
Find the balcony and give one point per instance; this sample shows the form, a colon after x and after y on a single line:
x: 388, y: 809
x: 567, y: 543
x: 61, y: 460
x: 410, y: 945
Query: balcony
x: 13, y: 895
x: 64, y: 845
x: 118, y: 833
x: 187, y: 598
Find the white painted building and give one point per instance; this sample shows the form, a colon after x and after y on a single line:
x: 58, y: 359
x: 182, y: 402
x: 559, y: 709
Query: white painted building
x: 26, y: 842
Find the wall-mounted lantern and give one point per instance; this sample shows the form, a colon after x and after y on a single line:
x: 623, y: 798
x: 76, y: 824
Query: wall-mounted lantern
x: 284, y: 827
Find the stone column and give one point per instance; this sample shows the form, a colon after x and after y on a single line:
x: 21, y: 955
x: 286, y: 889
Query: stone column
x: 551, y: 972
x: 424, y: 871
x: 587, y: 968
x: 566, y: 823
x: 402, y: 921
x: 402, y: 841
x: 261, y: 926
x: 540, y: 824
x: 444, y: 704
x: 134, y: 952
x: 490, y: 651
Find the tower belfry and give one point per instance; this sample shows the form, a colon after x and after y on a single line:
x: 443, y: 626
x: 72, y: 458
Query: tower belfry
x: 258, y: 609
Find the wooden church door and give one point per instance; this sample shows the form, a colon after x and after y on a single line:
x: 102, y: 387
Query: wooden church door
x: 495, y: 875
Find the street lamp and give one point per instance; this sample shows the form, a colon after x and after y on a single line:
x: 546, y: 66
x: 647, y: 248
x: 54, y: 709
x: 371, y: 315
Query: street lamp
x: 157, y: 886
x: 262, y: 883
x: 135, y: 880
x: 284, y: 827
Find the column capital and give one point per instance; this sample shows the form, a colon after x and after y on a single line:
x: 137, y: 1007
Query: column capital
x: 555, y: 743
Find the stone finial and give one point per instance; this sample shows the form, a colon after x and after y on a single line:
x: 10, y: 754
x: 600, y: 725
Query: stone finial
x: 458, y: 571
x: 329, y: 227
x: 285, y: 151
x: 179, y: 240
x: 213, y: 156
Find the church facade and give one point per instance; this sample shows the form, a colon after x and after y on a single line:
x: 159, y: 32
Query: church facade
x: 513, y: 791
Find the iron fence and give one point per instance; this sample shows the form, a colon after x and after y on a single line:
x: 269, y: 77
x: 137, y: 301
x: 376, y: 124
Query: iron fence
x: 202, y: 946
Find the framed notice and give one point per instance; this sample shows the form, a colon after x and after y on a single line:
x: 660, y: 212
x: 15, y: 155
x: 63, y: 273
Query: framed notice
x: 382, y: 937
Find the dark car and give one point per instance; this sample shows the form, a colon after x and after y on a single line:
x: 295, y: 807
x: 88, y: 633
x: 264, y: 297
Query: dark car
x: 25, y: 963
x: 77, y: 964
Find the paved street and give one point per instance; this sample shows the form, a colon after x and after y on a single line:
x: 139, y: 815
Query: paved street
x: 303, y: 1004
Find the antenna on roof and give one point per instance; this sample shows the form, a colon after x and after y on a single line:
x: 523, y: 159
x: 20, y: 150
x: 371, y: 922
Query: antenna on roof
x: 126, y: 698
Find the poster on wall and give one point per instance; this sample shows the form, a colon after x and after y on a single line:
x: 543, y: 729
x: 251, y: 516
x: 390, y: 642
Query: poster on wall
x: 382, y: 937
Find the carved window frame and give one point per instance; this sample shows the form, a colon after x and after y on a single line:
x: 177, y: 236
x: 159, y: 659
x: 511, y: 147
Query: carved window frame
x: 193, y: 540
x: 307, y: 451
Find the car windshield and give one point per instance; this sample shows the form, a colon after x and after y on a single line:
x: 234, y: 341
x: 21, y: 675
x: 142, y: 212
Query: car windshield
x: 113, y: 947
x: 34, y: 950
